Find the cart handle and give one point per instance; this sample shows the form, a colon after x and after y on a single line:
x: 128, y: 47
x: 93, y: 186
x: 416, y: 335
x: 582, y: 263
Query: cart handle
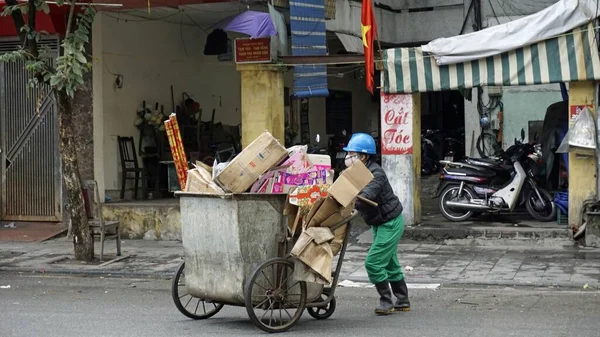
x: 352, y: 216
x: 367, y: 201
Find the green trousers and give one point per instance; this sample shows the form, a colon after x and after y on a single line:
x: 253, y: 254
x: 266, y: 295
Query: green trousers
x: 382, y: 260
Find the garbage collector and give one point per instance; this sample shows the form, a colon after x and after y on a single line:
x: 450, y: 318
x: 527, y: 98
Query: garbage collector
x: 387, y: 224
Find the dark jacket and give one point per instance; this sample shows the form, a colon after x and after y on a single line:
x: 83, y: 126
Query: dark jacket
x: 380, y: 191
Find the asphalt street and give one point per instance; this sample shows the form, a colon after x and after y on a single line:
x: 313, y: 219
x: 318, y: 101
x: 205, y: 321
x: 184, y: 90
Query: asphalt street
x: 78, y: 306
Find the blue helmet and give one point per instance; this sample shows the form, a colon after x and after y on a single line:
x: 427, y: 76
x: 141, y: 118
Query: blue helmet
x: 361, y: 143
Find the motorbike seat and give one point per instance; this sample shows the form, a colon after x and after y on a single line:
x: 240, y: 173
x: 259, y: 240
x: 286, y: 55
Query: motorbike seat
x: 470, y: 172
x: 484, y: 160
x: 491, y: 163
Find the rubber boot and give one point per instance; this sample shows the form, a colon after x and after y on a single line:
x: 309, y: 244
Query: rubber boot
x: 386, y: 305
x: 400, y: 290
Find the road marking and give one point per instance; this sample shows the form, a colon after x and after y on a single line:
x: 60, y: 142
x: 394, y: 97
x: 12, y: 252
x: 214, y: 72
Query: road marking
x: 352, y: 284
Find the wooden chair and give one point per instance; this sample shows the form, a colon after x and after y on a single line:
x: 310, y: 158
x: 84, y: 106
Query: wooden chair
x: 98, y: 226
x: 129, y: 164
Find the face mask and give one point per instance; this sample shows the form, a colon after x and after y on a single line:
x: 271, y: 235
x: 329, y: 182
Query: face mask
x: 350, y: 160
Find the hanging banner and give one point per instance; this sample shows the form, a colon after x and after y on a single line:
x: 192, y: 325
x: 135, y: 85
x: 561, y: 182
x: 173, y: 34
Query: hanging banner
x: 309, y: 38
x: 396, y: 124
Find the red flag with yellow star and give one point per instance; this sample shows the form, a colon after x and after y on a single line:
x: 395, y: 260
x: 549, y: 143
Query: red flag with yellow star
x: 368, y: 28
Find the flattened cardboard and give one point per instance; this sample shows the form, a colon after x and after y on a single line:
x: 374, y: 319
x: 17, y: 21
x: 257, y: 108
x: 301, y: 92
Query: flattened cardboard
x: 342, y: 214
x: 319, y: 258
x: 312, y: 248
x: 301, y: 244
x: 204, y: 171
x: 303, y: 273
x: 328, y: 208
x: 256, y: 159
x: 313, y: 210
x: 204, y: 166
x: 350, y: 183
x: 338, y: 241
x: 197, y: 183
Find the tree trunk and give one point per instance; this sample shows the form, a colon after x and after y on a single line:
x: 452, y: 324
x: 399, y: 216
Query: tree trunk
x: 82, y: 240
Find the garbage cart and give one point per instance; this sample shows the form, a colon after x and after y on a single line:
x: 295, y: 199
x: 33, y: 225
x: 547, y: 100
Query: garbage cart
x: 236, y: 252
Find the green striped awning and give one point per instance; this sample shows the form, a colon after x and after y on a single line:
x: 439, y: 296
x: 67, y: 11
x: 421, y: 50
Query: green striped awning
x: 572, y: 56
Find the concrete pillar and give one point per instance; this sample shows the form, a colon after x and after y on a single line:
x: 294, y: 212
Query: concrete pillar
x: 582, y: 169
x: 401, y: 150
x: 262, y: 101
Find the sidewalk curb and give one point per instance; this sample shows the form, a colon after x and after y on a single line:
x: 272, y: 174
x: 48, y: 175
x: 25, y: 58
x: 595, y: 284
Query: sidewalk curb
x: 361, y: 280
x: 437, y: 234
x: 91, y: 272
x: 507, y: 283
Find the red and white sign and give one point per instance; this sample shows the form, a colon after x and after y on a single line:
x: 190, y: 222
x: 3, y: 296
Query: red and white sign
x: 396, y: 124
x: 253, y: 50
x: 575, y: 111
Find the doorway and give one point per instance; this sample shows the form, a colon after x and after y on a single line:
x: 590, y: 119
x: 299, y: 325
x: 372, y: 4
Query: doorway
x: 30, y: 167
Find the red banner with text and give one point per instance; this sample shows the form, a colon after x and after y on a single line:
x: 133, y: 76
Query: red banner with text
x: 396, y: 124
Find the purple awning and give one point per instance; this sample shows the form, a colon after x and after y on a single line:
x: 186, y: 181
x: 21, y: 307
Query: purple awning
x: 255, y: 24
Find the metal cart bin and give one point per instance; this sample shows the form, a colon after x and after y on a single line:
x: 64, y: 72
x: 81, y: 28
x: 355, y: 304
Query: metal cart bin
x: 225, y: 237
x: 236, y: 253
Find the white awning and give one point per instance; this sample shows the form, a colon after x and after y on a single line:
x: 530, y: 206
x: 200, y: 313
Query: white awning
x: 553, y: 21
x: 569, y: 57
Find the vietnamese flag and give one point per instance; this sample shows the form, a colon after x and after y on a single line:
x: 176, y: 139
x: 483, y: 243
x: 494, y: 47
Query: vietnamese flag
x: 368, y: 28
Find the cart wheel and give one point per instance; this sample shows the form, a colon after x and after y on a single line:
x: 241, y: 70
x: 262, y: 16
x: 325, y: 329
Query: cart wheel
x: 194, y: 307
x: 272, y: 295
x: 323, y: 312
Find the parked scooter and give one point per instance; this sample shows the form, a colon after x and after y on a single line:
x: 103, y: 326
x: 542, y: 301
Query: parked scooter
x: 336, y: 146
x: 430, y: 144
x: 315, y: 148
x: 466, y: 189
x: 454, y: 146
x: 502, y: 167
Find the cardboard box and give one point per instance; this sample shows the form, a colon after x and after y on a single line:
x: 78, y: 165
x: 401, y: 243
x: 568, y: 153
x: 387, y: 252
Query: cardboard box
x: 297, y: 170
x: 322, y: 160
x: 199, y: 181
x: 256, y: 159
x: 350, y: 182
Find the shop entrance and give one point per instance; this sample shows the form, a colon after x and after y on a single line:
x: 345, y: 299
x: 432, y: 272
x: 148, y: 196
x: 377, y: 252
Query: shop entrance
x: 443, y: 129
x: 30, y: 165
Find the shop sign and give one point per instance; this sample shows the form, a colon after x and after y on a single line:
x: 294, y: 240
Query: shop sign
x: 575, y: 111
x: 396, y: 124
x: 253, y: 50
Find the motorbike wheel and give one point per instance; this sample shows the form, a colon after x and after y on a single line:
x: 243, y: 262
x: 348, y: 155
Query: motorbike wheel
x: 538, y: 211
x: 450, y: 193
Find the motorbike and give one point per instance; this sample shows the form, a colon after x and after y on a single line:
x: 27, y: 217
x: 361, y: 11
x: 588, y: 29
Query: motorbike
x: 336, y: 152
x: 466, y: 189
x: 430, y: 141
x: 315, y: 148
x: 454, y: 147
x: 502, y: 167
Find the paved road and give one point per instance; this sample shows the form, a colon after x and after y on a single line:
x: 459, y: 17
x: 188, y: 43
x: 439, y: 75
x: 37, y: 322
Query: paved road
x: 65, y: 306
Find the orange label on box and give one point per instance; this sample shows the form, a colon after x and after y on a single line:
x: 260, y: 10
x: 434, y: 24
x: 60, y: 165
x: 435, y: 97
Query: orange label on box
x: 307, y: 195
